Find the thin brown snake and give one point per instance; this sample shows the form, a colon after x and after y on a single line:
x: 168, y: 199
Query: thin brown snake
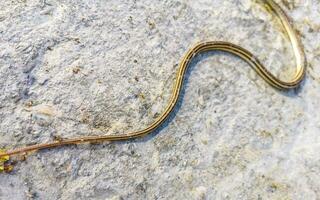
x: 198, y: 48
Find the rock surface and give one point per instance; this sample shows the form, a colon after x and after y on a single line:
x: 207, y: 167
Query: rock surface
x: 70, y: 68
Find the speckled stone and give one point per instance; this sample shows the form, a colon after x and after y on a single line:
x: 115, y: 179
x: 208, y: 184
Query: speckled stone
x: 70, y: 68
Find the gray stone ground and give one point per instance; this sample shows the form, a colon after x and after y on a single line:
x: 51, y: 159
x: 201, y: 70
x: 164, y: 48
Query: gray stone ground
x: 71, y: 68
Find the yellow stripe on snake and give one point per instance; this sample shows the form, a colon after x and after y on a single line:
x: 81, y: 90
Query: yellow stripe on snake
x: 198, y: 48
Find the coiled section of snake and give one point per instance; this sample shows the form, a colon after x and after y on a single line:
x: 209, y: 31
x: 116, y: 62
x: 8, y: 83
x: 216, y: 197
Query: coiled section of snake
x: 199, y: 48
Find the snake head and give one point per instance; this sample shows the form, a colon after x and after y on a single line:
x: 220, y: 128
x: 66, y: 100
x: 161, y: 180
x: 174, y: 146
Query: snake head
x: 4, y: 165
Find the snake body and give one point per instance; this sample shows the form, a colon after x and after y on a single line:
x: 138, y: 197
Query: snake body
x: 197, y: 49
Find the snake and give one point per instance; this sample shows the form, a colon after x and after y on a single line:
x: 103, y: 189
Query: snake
x: 201, y: 47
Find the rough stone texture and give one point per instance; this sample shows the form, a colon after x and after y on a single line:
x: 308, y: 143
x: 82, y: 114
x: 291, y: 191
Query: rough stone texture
x: 71, y: 68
